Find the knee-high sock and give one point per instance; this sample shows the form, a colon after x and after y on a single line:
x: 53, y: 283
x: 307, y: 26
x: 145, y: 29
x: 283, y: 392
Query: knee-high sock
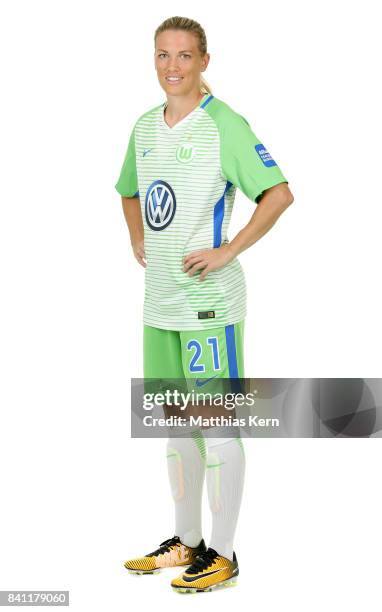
x: 186, y: 460
x: 225, y: 479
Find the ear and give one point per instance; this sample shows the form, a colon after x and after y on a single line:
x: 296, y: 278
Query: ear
x: 205, y: 61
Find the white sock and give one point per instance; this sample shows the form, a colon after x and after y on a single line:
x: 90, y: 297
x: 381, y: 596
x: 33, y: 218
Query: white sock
x: 186, y: 461
x: 225, y: 479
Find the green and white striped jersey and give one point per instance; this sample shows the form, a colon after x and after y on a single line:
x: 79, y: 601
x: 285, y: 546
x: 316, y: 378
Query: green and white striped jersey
x: 186, y: 178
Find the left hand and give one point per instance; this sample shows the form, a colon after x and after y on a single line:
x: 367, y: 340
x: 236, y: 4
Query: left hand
x: 207, y: 260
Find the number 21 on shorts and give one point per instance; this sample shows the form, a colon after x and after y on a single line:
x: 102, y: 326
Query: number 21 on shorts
x: 197, y: 363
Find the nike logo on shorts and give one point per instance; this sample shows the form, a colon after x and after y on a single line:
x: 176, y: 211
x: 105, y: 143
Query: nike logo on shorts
x: 201, y: 382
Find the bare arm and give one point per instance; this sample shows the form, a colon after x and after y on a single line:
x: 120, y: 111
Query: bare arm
x: 273, y: 203
x: 132, y: 211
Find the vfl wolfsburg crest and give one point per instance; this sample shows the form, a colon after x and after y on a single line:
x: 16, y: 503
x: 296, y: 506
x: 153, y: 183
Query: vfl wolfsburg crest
x: 185, y: 153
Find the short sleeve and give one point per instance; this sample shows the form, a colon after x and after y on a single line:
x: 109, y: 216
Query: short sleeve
x: 245, y: 161
x: 127, y: 184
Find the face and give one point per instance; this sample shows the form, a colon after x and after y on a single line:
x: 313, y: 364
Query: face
x: 177, y: 55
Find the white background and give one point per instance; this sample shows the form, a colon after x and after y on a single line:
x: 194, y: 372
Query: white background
x: 78, y: 495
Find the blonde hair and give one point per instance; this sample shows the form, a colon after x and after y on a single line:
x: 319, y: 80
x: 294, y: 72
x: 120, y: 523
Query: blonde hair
x: 188, y: 25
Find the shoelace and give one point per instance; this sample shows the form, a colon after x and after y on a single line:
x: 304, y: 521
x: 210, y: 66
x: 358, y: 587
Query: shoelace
x: 202, y: 561
x: 165, y: 546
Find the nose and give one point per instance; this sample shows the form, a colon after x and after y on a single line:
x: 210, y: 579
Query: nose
x: 173, y: 63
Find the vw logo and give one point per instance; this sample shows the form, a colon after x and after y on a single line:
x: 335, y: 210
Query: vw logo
x: 160, y: 205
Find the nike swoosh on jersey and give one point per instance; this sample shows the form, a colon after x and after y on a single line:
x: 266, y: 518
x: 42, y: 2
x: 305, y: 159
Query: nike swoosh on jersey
x: 146, y: 152
x: 193, y: 578
x: 201, y: 383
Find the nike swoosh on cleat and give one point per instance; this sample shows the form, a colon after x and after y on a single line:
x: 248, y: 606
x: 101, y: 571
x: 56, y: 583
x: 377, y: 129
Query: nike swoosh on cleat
x: 146, y: 152
x: 201, y: 383
x: 193, y: 578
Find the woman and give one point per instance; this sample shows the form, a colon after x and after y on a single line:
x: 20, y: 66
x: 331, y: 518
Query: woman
x: 184, y: 161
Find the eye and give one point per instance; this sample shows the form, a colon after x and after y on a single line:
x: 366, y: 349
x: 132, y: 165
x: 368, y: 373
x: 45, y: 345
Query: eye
x: 185, y: 55
x: 161, y: 54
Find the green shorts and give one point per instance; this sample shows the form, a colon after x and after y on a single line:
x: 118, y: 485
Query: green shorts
x: 202, y: 355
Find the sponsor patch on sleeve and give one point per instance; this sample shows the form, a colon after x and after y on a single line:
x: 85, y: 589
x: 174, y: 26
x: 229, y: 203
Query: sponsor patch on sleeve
x: 265, y: 157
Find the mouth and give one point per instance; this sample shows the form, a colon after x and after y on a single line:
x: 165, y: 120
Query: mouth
x: 174, y: 80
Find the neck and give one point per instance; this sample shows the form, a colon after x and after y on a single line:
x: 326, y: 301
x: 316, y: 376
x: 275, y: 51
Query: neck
x: 178, y: 107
